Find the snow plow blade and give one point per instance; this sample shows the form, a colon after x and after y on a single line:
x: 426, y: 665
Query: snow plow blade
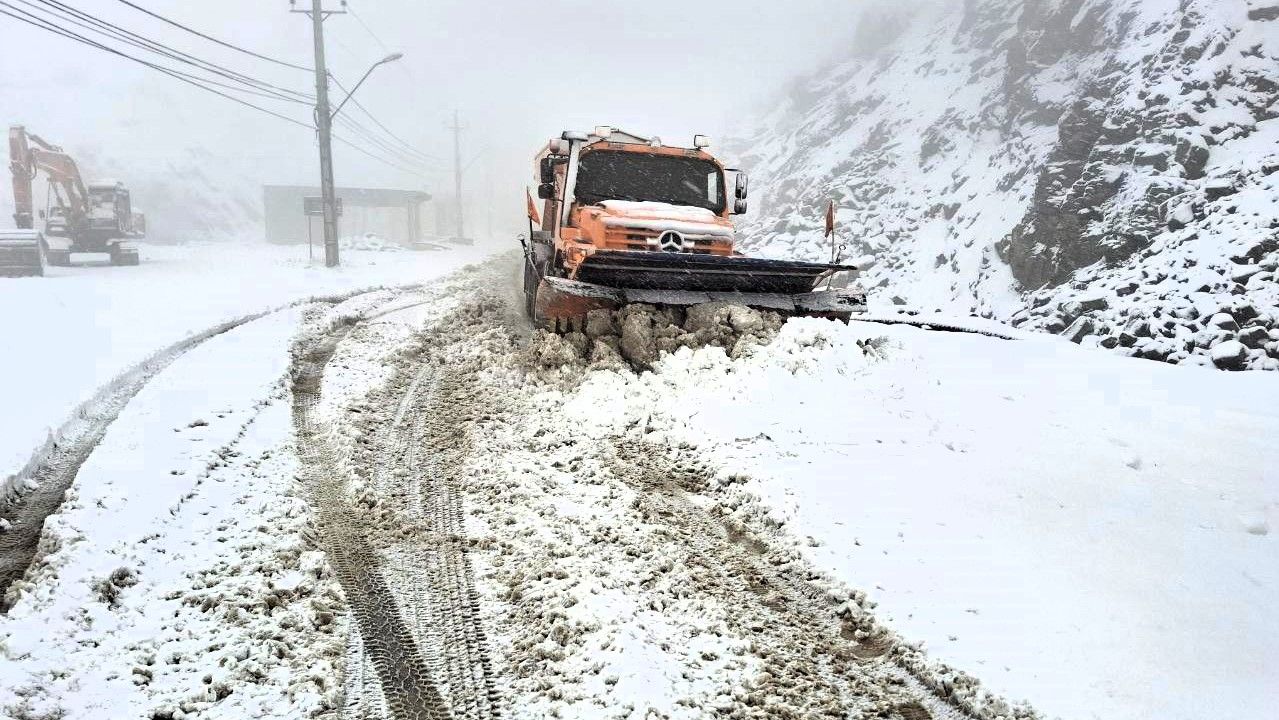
x: 20, y: 253
x: 611, y: 280
x: 705, y: 273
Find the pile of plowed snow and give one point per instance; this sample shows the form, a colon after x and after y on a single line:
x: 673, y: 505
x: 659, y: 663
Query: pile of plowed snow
x: 1000, y: 498
x: 639, y: 334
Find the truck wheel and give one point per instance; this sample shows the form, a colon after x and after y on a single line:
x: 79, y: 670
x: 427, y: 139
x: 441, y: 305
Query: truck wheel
x: 59, y: 258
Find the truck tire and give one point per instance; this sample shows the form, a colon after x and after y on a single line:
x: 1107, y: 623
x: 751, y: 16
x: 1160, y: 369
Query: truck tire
x: 59, y: 258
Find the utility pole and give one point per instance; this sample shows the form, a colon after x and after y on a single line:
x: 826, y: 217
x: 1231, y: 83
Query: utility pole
x: 457, y: 172
x: 324, y: 126
x: 488, y: 203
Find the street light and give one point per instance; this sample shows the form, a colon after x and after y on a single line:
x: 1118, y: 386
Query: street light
x: 388, y: 59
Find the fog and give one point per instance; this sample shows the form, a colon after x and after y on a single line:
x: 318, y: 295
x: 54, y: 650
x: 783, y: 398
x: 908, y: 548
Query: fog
x: 517, y: 73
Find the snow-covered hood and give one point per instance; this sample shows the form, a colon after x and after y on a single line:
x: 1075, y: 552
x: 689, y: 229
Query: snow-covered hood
x: 663, y: 217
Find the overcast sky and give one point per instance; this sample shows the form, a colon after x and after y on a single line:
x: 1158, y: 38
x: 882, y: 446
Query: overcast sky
x: 518, y: 72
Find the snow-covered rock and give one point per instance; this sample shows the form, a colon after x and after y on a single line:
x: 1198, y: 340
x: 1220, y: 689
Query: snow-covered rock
x: 1004, y: 157
x: 1229, y: 355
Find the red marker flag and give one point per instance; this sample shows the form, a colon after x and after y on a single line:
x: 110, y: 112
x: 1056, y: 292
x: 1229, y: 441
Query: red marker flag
x: 830, y: 219
x: 533, y: 215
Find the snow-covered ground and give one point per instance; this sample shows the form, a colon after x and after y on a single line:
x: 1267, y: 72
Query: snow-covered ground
x: 178, y: 557
x: 1093, y: 534
x: 181, y: 575
x: 1090, y: 533
x: 71, y: 332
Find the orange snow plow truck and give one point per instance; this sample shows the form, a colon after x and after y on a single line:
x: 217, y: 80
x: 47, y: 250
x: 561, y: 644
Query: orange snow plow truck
x: 626, y: 219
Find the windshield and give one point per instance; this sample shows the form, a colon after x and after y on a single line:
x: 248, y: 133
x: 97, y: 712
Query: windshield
x: 99, y: 199
x: 613, y: 175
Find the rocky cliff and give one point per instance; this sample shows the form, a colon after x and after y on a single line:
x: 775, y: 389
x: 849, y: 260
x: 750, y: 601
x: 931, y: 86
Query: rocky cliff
x: 1105, y: 169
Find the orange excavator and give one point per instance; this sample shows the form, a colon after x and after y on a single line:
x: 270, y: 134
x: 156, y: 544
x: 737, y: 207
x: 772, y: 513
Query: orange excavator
x: 88, y: 218
x: 627, y: 219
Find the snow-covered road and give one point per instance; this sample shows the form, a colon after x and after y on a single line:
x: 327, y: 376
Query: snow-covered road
x: 72, y: 332
x: 431, y: 517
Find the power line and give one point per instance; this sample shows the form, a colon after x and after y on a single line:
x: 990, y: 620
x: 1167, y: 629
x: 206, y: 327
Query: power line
x: 382, y: 160
x: 197, y: 33
x: 163, y: 49
x: 408, y: 147
x: 102, y: 27
x: 404, y: 143
x: 24, y: 17
x: 368, y: 135
x: 39, y: 22
x: 405, y: 149
x: 251, y: 90
x: 351, y: 11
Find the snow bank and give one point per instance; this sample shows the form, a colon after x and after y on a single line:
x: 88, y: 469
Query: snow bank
x: 1088, y: 532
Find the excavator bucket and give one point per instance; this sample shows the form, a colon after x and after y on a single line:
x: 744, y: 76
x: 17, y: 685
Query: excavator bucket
x: 21, y: 253
x: 611, y: 279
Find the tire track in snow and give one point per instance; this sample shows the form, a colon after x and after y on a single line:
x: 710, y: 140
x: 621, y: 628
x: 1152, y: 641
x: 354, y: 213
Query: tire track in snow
x: 53, y: 471
x: 405, y: 571
x: 403, y: 675
x: 814, y: 661
x: 938, y: 326
x: 437, y: 467
x: 37, y: 490
x: 414, y: 464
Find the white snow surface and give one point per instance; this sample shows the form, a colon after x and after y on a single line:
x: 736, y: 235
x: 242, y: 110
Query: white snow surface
x: 191, y: 495
x: 1091, y: 533
x: 1087, y: 532
x: 223, y: 607
x: 76, y: 329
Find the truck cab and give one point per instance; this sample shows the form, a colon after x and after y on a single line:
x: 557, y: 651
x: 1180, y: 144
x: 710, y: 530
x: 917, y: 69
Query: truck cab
x: 628, y: 219
x: 613, y: 190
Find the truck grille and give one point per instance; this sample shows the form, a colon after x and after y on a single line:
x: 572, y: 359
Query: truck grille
x: 636, y: 239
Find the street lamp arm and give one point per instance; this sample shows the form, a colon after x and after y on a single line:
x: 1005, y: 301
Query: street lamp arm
x: 389, y: 58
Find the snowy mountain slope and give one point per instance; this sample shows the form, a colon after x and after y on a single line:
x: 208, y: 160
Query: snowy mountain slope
x: 1105, y: 168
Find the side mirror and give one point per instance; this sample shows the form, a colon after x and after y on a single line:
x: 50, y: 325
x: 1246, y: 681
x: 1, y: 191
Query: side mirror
x: 547, y: 173
x: 739, y: 207
x: 743, y: 186
x: 546, y: 191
